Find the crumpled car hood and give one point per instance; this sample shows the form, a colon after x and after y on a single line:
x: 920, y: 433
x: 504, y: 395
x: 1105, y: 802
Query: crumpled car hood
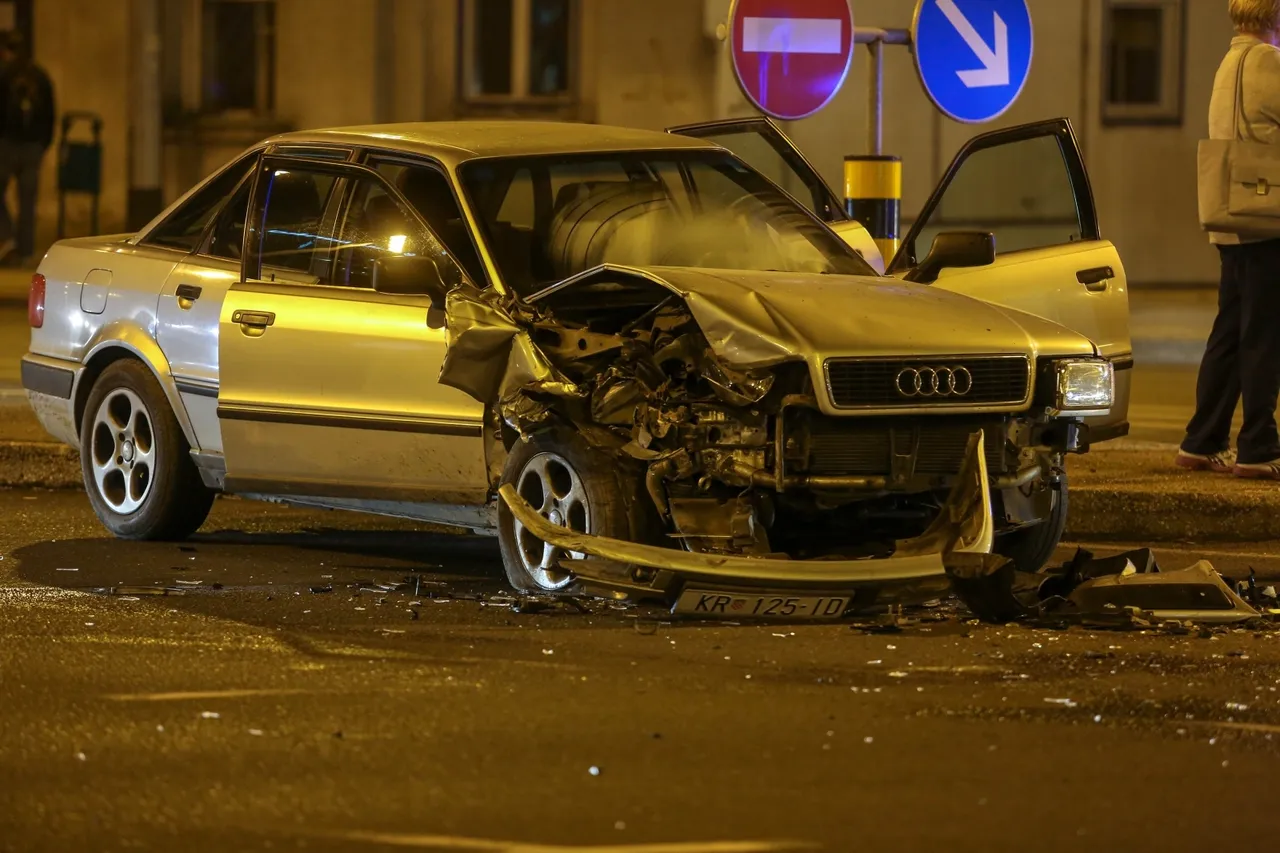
x: 759, y: 319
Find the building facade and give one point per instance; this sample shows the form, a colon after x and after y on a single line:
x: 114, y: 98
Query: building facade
x: 1134, y: 76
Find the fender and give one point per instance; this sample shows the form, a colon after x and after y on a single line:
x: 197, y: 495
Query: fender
x: 123, y: 335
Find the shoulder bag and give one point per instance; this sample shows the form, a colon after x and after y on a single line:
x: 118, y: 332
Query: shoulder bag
x: 1239, y: 179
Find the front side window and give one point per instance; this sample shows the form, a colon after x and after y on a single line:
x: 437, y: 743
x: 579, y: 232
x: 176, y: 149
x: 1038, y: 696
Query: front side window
x: 518, y: 49
x: 375, y: 226
x: 547, y: 218
x: 429, y: 192
x: 331, y: 227
x: 185, y: 227
x: 294, y: 236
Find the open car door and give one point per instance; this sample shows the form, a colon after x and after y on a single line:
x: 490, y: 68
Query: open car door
x: 1028, y: 186
x: 763, y: 146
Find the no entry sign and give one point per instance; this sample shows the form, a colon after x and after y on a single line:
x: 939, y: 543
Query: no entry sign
x: 791, y: 56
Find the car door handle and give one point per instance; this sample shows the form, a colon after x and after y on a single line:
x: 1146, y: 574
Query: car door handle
x: 187, y: 295
x: 253, y: 323
x: 1096, y: 279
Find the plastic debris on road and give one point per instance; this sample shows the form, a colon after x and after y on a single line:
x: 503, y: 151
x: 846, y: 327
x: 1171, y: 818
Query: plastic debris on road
x: 1130, y: 590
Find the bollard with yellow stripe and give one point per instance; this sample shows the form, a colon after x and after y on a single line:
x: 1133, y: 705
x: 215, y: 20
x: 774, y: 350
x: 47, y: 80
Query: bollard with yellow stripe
x: 873, y: 197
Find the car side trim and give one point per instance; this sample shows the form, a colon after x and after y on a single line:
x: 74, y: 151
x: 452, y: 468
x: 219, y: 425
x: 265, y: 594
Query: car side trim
x: 260, y: 488
x: 301, y: 416
x: 46, y: 379
x: 196, y: 389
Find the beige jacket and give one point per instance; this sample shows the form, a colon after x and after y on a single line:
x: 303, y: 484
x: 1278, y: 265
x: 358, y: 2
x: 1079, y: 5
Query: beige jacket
x: 1261, y: 108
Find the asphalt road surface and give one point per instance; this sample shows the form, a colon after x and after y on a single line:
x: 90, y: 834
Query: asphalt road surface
x: 268, y: 703
x: 257, y: 710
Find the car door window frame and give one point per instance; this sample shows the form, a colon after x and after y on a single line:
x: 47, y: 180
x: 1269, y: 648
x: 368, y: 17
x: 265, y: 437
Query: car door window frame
x: 824, y: 198
x: 352, y: 172
x: 908, y: 255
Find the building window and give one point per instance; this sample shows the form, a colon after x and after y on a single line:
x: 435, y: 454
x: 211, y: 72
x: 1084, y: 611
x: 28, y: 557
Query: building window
x: 238, y: 56
x: 518, y: 50
x: 1143, y: 61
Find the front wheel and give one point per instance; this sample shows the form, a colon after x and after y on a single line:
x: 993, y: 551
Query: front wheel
x: 135, y: 460
x: 1031, y: 548
x: 571, y: 485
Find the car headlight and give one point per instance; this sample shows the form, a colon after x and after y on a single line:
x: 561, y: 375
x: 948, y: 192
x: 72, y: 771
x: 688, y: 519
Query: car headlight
x: 1085, y: 385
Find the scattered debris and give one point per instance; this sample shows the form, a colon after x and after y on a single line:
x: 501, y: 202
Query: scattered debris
x: 321, y: 589
x: 134, y: 591
x: 1129, y: 590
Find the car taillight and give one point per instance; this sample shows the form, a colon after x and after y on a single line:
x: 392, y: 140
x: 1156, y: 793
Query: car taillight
x: 35, y: 302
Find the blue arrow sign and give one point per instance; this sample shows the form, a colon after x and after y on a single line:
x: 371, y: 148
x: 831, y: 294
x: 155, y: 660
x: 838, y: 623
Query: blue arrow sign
x: 974, y: 56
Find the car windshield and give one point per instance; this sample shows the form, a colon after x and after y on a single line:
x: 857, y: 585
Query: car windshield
x: 547, y: 218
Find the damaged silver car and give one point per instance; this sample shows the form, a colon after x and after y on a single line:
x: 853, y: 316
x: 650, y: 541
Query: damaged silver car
x: 653, y: 371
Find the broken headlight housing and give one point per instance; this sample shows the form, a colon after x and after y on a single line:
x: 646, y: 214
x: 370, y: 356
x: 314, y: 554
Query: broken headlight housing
x: 1084, y: 386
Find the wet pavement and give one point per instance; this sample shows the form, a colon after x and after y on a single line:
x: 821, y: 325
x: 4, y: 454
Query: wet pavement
x: 325, y: 681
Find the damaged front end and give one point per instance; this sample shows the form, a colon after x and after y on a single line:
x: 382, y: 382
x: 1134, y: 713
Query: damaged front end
x: 959, y: 539
x: 716, y: 414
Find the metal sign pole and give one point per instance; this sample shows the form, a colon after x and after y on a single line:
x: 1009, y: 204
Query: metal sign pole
x: 873, y: 181
x: 875, y: 39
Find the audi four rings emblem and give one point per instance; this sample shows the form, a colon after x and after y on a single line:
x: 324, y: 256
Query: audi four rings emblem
x: 934, y: 382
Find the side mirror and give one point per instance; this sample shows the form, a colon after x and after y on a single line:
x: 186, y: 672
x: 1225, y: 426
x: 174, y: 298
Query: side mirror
x: 955, y: 249
x: 409, y: 275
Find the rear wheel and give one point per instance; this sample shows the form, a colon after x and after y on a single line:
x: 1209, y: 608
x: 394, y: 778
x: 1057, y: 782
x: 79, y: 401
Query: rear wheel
x: 572, y: 485
x: 136, y: 462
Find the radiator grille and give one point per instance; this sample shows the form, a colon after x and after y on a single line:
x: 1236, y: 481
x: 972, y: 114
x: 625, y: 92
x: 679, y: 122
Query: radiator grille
x: 839, y: 447
x: 887, y: 384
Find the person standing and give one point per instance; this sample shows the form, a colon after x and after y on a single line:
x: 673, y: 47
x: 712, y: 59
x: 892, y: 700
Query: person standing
x: 27, y: 116
x: 1242, y: 357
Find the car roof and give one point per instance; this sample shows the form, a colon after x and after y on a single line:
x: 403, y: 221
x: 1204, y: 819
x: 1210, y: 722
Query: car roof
x: 458, y: 141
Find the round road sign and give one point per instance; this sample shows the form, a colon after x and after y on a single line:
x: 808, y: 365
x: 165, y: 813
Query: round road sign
x: 974, y: 56
x: 791, y: 56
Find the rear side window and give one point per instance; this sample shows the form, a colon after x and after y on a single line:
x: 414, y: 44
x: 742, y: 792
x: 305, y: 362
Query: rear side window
x: 186, y: 225
x: 228, y: 232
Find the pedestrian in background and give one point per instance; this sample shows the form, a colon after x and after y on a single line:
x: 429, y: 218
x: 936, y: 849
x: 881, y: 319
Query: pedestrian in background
x: 27, y: 115
x: 1242, y: 357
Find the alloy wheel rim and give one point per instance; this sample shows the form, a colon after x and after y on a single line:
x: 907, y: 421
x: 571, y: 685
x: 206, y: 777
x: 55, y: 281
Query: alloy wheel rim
x: 552, y: 487
x: 122, y: 451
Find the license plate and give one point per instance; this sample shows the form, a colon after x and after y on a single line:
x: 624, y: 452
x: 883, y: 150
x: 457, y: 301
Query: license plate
x: 695, y: 602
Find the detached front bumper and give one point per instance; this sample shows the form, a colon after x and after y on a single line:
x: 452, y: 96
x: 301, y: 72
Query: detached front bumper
x: 958, y: 542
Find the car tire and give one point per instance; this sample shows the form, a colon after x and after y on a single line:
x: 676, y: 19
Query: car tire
x: 571, y: 484
x: 136, y: 461
x: 1032, y: 548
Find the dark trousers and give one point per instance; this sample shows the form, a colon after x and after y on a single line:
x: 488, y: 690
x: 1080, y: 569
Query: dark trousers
x: 20, y: 160
x: 1242, y: 358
